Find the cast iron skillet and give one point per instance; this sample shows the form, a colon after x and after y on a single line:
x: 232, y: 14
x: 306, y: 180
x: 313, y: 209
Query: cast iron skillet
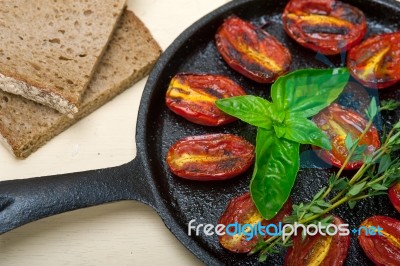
x: 147, y: 178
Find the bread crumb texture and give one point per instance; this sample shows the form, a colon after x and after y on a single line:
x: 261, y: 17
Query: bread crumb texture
x: 49, y: 49
x: 25, y: 125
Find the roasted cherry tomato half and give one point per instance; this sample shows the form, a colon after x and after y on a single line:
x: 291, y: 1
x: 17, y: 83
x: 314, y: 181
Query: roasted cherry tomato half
x: 193, y: 96
x: 337, y: 122
x: 394, y: 195
x: 325, y: 26
x: 322, y: 250
x: 379, y: 237
x: 241, y: 211
x: 376, y: 61
x: 210, y: 157
x: 252, y: 51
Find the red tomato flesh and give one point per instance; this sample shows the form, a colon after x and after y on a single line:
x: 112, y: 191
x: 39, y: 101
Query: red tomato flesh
x: 252, y: 51
x: 193, y: 97
x: 325, y: 26
x: 243, y: 211
x: 383, y: 245
x: 337, y: 122
x: 210, y: 157
x: 376, y: 61
x: 394, y: 195
x: 318, y: 249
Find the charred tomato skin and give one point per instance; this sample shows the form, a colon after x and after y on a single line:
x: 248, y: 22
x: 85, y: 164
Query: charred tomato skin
x: 383, y: 248
x: 336, y: 122
x: 394, y: 195
x: 243, y: 211
x: 210, y: 157
x: 375, y: 62
x: 325, y: 26
x: 193, y: 97
x: 333, y: 249
x: 251, y: 51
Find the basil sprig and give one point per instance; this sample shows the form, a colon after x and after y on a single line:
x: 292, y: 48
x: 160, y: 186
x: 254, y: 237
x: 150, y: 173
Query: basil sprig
x: 282, y: 127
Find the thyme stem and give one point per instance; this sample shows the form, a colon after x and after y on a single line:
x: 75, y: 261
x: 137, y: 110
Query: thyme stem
x: 370, y: 179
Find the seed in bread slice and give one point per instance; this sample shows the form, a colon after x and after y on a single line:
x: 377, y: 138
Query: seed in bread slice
x: 49, y: 49
x: 25, y: 125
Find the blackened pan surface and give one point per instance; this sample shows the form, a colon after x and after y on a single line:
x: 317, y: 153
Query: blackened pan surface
x: 195, y: 52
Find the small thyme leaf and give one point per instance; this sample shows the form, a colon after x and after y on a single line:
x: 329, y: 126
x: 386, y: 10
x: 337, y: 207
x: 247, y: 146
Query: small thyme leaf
x: 316, y: 209
x: 368, y: 159
x: 356, y: 189
x: 332, y: 180
x: 361, y: 149
x: 340, y: 184
x: 372, y: 110
x: 327, y: 219
x: 308, y: 215
x: 348, y: 142
x: 263, y: 257
x: 377, y: 193
x: 394, y: 139
x: 323, y: 203
x: 378, y: 172
x: 352, y: 204
x: 389, y: 105
x: 384, y: 163
x: 319, y: 194
x: 397, y: 125
x: 378, y: 187
x: 290, y: 219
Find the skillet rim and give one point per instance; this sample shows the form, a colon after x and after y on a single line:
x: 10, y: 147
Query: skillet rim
x: 142, y: 132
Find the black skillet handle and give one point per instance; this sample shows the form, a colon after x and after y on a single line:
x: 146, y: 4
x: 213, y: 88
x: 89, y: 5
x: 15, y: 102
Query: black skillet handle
x: 24, y: 201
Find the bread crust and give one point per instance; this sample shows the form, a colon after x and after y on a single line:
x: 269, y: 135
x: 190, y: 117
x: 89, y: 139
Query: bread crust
x: 25, y: 125
x: 49, y: 50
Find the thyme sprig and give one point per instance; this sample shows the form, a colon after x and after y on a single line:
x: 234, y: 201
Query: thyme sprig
x: 379, y: 170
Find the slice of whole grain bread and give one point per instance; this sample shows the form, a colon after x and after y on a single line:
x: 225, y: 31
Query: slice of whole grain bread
x: 49, y: 49
x: 25, y: 125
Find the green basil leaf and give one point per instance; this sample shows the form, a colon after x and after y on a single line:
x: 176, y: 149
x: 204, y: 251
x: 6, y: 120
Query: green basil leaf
x: 306, y: 92
x: 250, y: 109
x: 305, y: 131
x: 280, y: 131
x: 276, y: 167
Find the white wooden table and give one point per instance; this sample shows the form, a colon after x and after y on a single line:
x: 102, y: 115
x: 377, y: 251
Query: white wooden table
x: 124, y: 233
